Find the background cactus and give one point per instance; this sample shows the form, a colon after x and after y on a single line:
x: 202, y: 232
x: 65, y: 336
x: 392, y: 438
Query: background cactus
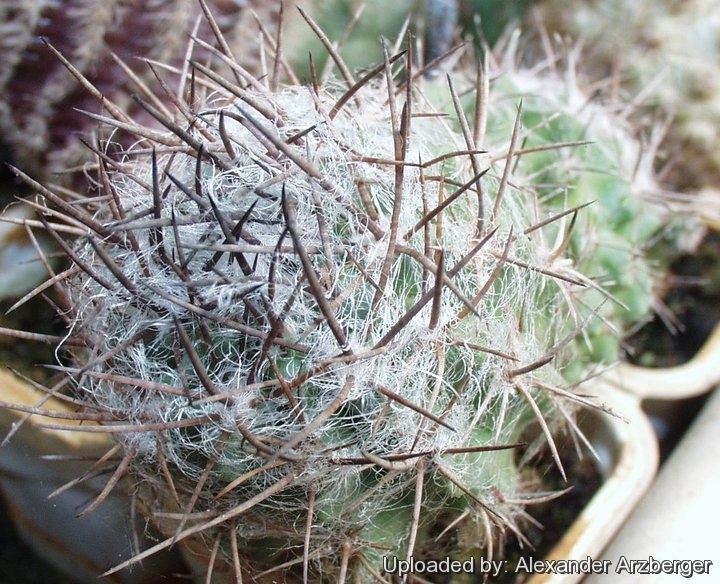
x: 319, y: 319
x: 39, y: 120
x: 648, y: 48
x: 623, y: 238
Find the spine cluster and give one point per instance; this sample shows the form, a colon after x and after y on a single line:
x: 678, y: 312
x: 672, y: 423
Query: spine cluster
x: 321, y: 320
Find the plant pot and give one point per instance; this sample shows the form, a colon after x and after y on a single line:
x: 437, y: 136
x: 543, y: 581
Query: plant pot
x: 629, y: 456
x: 37, y: 461
x: 662, y: 529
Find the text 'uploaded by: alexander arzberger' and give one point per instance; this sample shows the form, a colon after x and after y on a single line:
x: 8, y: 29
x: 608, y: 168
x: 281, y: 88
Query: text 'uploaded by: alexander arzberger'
x: 530, y: 565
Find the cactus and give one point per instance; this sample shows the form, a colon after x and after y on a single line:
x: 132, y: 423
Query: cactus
x: 40, y: 97
x: 664, y: 54
x: 623, y: 239
x: 319, y: 320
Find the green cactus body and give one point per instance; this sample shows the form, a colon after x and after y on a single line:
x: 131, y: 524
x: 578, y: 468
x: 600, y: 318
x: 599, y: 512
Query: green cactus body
x: 322, y: 320
x: 605, y: 167
x: 666, y: 54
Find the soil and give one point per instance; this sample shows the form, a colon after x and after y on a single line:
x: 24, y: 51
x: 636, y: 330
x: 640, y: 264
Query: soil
x: 552, y: 519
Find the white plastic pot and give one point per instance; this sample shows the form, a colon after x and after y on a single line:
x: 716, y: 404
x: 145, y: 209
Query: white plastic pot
x: 678, y: 518
x: 681, y: 500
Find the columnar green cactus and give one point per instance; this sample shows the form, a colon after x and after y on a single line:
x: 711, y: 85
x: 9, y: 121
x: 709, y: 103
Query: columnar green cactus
x: 609, y: 169
x: 319, y: 319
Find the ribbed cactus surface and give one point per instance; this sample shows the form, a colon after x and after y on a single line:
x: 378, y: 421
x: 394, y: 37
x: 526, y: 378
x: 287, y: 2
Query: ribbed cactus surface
x: 320, y: 319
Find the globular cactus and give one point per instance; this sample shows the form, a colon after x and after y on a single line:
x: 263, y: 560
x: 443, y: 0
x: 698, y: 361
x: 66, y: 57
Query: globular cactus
x: 312, y: 330
x: 319, y: 319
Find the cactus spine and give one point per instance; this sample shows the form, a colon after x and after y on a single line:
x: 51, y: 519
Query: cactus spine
x: 319, y: 319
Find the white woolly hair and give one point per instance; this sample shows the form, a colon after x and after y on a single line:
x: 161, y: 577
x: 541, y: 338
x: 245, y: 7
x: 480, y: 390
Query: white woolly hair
x: 303, y: 304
